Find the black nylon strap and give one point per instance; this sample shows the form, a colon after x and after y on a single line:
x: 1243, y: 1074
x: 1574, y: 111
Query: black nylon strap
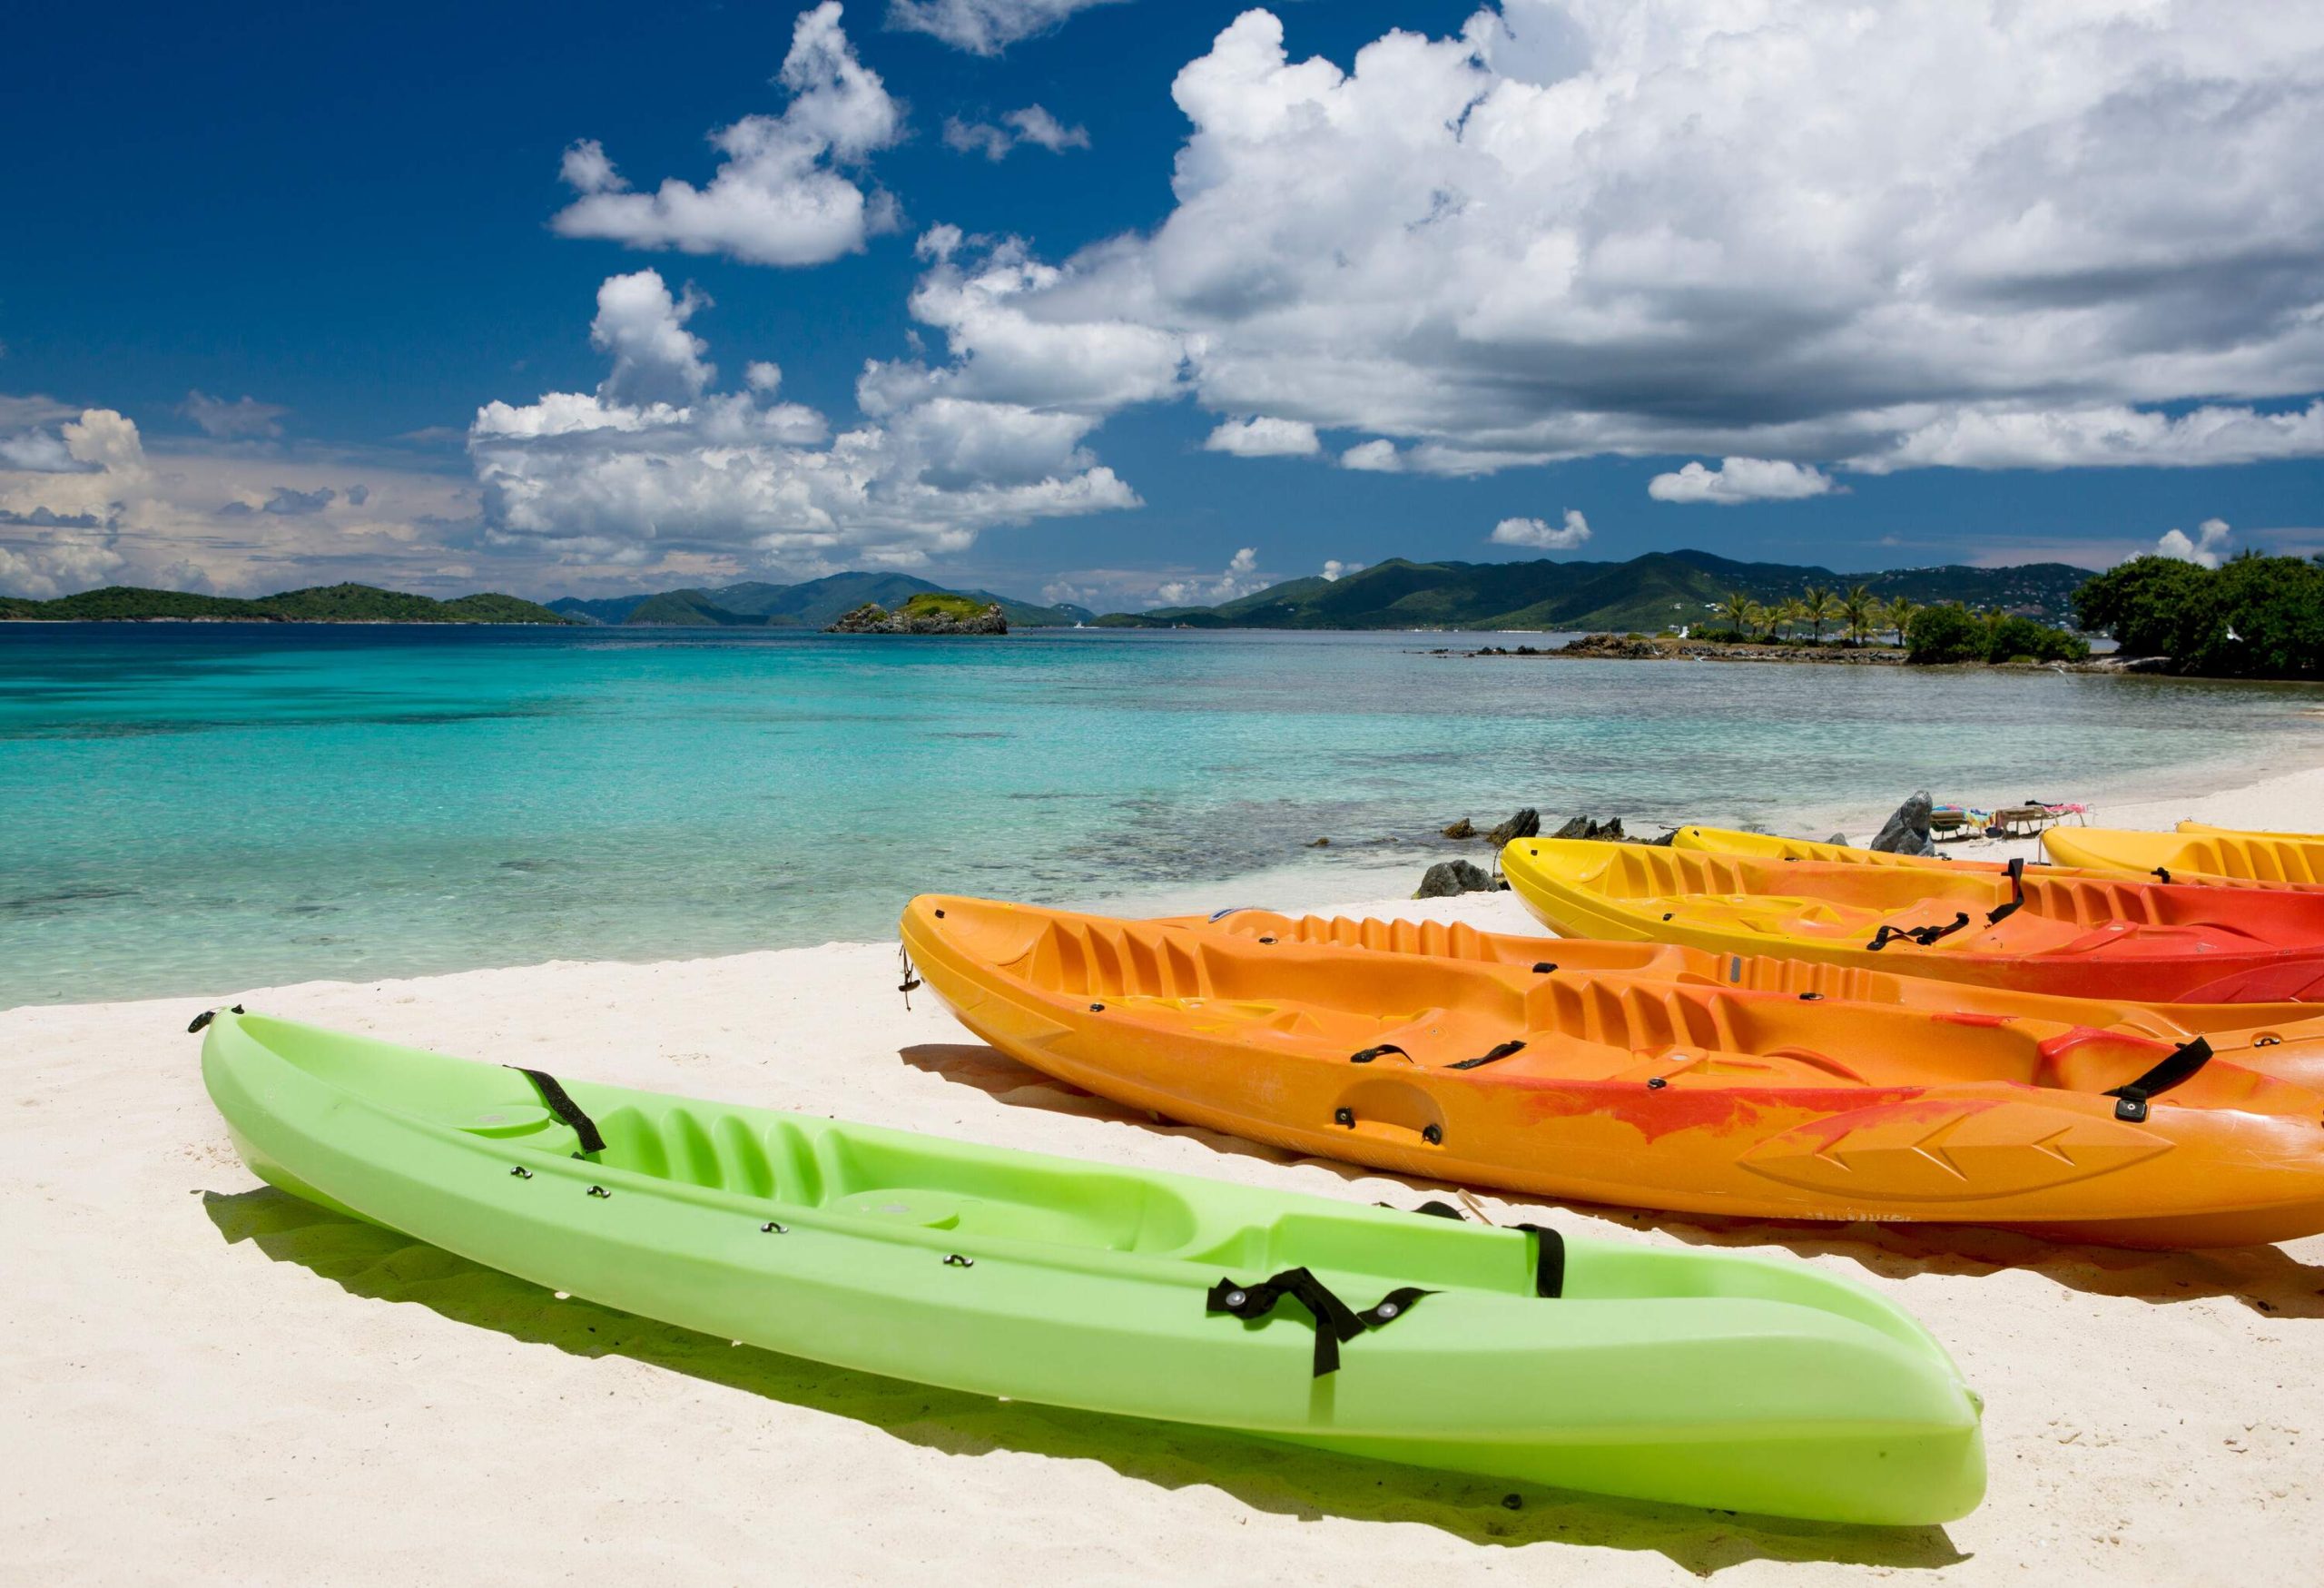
x: 553, y: 1094
x: 1369, y: 1054
x: 2179, y: 1066
x: 1549, y: 1259
x: 2163, y: 872
x: 2017, y: 894
x: 1503, y: 1051
x: 1335, y: 1321
x: 1923, y: 935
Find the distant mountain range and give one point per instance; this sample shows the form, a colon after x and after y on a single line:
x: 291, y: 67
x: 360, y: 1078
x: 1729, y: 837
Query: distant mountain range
x: 1659, y: 590
x: 322, y: 604
x: 1662, y: 590
x: 813, y: 605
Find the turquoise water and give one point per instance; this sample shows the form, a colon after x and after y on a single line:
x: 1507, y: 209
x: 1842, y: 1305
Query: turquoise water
x: 199, y: 808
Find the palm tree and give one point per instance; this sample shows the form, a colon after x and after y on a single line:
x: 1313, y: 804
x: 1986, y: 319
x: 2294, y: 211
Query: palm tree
x: 1755, y: 619
x: 1789, y: 615
x: 1736, y: 609
x: 1857, y: 610
x: 1899, y: 613
x: 1818, y: 610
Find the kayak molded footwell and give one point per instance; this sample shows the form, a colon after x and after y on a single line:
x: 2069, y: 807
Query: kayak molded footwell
x: 1701, y: 1378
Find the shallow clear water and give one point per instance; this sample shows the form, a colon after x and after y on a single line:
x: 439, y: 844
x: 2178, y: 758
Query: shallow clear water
x: 196, y: 808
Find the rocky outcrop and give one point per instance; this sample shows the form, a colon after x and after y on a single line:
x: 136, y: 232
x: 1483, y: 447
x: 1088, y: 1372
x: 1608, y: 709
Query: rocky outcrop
x: 873, y: 618
x: 1525, y: 824
x: 1907, y: 831
x: 1463, y: 828
x: 1609, y: 830
x: 1448, y: 877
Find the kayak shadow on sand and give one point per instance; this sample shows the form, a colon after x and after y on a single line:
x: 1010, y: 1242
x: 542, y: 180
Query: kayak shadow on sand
x: 381, y: 1265
x: 2266, y: 1278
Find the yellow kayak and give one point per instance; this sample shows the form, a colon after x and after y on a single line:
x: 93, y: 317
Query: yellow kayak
x: 2060, y: 933
x: 2245, y: 831
x: 2277, y: 861
x: 1764, y: 846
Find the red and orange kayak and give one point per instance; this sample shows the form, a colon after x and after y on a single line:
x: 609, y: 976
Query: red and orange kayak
x: 2071, y: 935
x: 1615, y: 1088
x: 2282, y: 1040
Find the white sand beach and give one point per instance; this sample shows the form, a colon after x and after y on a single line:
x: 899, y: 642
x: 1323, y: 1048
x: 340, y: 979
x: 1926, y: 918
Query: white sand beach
x: 210, y: 1382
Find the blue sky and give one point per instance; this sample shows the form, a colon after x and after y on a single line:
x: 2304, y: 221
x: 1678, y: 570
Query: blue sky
x: 1507, y: 267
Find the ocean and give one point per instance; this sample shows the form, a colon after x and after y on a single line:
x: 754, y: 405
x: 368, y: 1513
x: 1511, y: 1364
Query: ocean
x: 190, y: 808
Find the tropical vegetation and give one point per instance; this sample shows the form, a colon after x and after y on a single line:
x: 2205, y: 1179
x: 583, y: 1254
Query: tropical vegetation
x: 1952, y: 633
x: 322, y: 604
x: 2252, y: 616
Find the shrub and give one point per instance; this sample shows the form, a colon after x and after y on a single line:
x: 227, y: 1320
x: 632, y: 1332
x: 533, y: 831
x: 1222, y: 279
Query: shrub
x: 2011, y: 638
x: 1938, y: 634
x: 2254, y: 618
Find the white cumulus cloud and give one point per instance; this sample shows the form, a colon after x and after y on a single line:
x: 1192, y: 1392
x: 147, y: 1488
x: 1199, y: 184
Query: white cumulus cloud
x: 1541, y: 535
x: 655, y: 464
x: 2208, y: 547
x: 1239, y: 577
x: 1657, y: 226
x: 244, y: 419
x: 2102, y: 437
x: 1379, y: 456
x: 983, y: 28
x: 1032, y: 124
x: 1741, y: 480
x: 1261, y: 437
x: 1335, y: 570
x: 780, y: 197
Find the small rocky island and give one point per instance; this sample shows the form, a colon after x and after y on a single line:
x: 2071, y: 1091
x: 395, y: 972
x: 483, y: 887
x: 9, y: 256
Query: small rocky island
x: 930, y: 612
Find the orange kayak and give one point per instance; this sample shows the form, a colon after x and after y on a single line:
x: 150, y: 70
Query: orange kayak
x: 2282, y: 1040
x: 2074, y: 936
x: 1608, y: 1087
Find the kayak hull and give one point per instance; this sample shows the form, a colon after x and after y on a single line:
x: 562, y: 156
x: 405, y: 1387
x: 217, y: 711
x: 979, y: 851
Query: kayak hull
x: 1762, y: 1386
x: 1631, y: 1091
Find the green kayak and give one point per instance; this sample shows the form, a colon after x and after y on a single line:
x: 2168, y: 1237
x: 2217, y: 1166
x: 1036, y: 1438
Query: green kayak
x: 1699, y: 1377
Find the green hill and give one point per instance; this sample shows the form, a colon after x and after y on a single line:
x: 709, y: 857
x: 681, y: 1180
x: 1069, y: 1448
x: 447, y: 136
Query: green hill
x: 322, y: 604
x: 1659, y: 590
x: 813, y: 605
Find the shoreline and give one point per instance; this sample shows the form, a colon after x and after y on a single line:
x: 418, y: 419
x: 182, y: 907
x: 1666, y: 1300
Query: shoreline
x: 285, y: 1389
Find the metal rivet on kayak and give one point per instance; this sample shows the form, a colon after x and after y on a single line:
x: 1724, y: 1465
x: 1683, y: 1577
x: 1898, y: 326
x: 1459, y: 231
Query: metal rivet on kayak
x: 955, y: 1260
x: 1512, y: 1503
x: 1810, y: 997
x: 1266, y: 940
x: 1543, y: 967
x: 599, y: 1191
x: 1387, y: 1309
x: 521, y: 1172
x: 1655, y: 1083
x: 1666, y: 917
x: 2266, y: 1042
x: 1342, y: 1116
x: 772, y: 1228
x: 1235, y: 1298
x: 1433, y: 1134
x: 940, y: 915
x: 1097, y: 1009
